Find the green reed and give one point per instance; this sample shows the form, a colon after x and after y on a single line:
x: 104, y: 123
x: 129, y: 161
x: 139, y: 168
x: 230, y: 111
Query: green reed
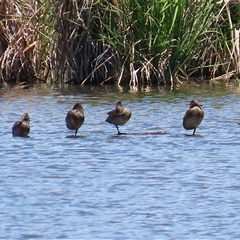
x: 155, y: 39
x: 139, y: 42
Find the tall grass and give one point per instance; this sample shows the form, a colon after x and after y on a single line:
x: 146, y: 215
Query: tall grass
x: 139, y: 42
x: 26, y: 28
x: 155, y: 39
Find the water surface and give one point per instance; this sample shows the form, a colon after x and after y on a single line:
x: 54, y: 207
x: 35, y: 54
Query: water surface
x: 134, y: 186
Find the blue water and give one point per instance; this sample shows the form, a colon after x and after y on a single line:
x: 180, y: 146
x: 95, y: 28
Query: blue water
x: 136, y: 186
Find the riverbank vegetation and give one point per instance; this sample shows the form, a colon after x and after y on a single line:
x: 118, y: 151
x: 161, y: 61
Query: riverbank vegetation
x: 135, y: 42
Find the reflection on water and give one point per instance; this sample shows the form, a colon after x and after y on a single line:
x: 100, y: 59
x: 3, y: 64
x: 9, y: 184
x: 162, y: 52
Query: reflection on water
x: 133, y: 186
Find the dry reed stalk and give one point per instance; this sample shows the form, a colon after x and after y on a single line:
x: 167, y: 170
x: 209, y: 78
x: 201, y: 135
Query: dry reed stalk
x: 237, y: 51
x: 234, y: 52
x: 225, y: 76
x: 4, y: 39
x: 18, y: 41
x: 78, y: 56
x: 162, y: 66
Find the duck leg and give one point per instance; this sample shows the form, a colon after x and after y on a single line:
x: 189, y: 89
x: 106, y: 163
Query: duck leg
x: 194, y: 131
x: 76, y: 132
x: 119, y: 133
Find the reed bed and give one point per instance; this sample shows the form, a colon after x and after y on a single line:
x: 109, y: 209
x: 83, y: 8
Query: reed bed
x: 135, y: 42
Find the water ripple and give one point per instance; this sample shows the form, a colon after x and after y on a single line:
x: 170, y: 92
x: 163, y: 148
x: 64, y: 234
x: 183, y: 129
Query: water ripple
x: 152, y: 183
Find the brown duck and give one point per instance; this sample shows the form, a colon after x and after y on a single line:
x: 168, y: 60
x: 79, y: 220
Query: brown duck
x: 75, y: 118
x: 193, y: 117
x: 21, y: 128
x: 119, y: 116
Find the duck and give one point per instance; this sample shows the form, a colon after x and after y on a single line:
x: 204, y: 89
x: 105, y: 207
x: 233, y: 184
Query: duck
x: 75, y: 118
x: 21, y: 128
x: 193, y: 116
x: 119, y: 116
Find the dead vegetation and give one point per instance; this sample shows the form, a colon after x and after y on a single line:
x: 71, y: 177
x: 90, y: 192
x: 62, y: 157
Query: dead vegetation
x: 90, y: 42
